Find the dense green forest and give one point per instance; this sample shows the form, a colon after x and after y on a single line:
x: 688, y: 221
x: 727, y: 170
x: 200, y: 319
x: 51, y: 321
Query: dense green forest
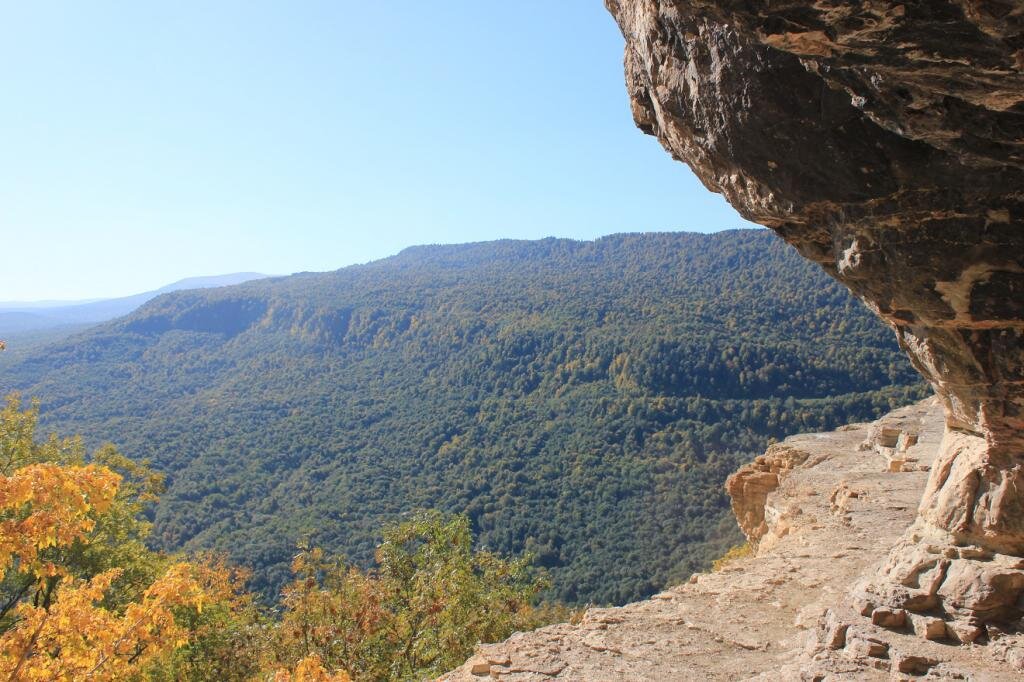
x: 582, y: 401
x: 83, y: 598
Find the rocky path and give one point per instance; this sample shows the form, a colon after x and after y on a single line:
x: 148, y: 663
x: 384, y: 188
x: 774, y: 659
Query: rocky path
x: 827, y: 508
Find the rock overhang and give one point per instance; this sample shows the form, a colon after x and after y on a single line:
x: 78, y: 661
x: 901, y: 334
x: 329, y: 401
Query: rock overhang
x: 885, y: 141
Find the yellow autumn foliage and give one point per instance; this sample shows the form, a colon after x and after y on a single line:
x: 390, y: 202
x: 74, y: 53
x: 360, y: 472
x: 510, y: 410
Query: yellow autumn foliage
x: 47, y: 505
x: 310, y: 669
x: 70, y: 629
x: 77, y: 639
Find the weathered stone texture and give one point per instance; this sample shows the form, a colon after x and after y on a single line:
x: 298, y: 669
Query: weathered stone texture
x: 885, y: 141
x: 750, y: 486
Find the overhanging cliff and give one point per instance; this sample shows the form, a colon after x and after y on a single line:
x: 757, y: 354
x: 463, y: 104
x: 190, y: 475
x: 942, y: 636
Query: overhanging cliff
x: 885, y: 141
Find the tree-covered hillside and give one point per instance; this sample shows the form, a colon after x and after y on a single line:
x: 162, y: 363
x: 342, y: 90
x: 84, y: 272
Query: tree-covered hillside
x: 580, y: 400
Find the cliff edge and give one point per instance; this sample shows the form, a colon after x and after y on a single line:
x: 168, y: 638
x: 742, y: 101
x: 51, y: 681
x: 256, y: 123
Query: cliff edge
x: 823, y: 509
x: 884, y: 140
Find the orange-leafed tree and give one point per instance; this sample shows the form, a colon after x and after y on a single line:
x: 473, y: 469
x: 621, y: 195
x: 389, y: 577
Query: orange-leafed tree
x: 310, y: 669
x: 76, y: 638
x: 421, y: 611
x: 82, y: 598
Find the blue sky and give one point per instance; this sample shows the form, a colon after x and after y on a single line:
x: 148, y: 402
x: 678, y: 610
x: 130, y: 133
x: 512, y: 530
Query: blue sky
x: 145, y: 142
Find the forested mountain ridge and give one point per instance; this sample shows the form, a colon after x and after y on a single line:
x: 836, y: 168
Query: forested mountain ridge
x: 580, y: 400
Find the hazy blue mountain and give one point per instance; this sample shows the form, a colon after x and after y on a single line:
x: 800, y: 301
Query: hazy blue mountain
x: 18, y: 318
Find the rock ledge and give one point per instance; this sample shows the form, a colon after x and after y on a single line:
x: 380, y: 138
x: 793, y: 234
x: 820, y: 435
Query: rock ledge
x: 832, y: 506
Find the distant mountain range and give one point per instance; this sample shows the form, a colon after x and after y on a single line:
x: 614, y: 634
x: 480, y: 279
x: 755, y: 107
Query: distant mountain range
x: 583, y: 401
x: 19, y: 317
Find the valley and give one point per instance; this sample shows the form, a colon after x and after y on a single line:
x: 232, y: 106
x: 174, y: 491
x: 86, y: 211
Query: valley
x: 579, y: 401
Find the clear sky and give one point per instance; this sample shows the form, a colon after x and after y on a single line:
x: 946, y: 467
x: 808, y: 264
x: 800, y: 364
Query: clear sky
x: 144, y: 142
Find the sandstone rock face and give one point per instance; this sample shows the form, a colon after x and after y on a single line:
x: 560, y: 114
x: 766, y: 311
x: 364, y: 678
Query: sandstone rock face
x: 885, y: 141
x: 749, y: 487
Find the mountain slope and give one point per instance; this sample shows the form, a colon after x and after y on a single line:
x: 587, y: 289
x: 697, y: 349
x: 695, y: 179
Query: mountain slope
x: 580, y: 400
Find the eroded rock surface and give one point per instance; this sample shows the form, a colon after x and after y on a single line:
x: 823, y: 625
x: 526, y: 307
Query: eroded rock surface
x: 885, y: 141
x: 778, y: 615
x: 749, y: 487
